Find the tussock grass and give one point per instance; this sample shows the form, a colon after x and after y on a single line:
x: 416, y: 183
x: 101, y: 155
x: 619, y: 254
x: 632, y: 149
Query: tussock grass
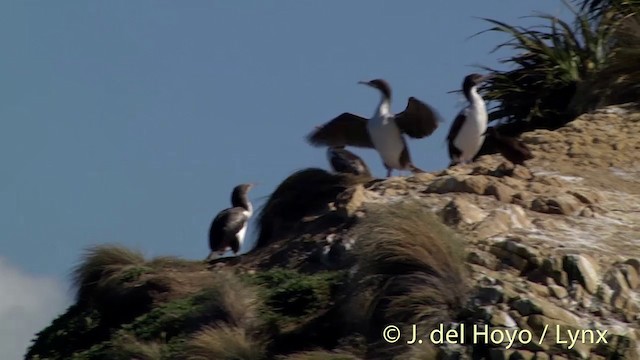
x: 225, y: 299
x: 127, y: 346
x: 420, y: 352
x: 303, y: 193
x: 104, y: 269
x: 564, y: 69
x: 418, y: 261
x: 238, y: 301
x: 619, y: 81
x: 224, y: 343
x: 320, y: 355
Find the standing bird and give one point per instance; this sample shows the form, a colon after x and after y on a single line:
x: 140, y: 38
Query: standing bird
x: 511, y: 148
x: 466, y: 135
x: 344, y: 161
x: 383, y: 132
x: 229, y: 227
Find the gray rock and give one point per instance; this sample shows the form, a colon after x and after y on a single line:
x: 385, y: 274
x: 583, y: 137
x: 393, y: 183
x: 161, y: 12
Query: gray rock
x: 582, y: 269
x: 501, y: 318
x: 490, y: 295
x: 459, y: 211
x: 526, y: 307
x: 558, y: 291
x: 631, y: 275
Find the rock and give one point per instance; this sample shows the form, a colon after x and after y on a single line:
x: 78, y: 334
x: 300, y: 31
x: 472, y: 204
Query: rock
x: 582, y: 269
x: 618, y: 347
x: 587, y: 212
x: 588, y: 198
x: 521, y: 172
x: 523, y: 199
x: 501, y: 192
x: 562, y: 204
x: 616, y: 280
x: 558, y: 291
x: 481, y: 258
x: 552, y: 267
x: 537, y: 306
x: 631, y: 275
x: 489, y: 295
x: 541, y: 356
x: 524, y: 251
x: 509, y: 258
x: 499, y: 354
x: 350, y: 200
x: 497, y: 222
x: 540, y: 290
x: 461, y: 211
x: 502, y: 319
x: 469, y: 184
x: 577, y: 292
x: 635, y: 263
x: 526, y: 307
x: 620, y: 298
x: 522, y: 355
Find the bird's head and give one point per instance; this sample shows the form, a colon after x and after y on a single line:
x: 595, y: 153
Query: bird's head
x: 244, y: 188
x: 474, y: 80
x: 379, y: 84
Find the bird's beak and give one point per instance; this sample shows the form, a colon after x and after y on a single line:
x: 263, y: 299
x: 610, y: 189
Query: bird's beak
x: 364, y: 83
x: 253, y: 184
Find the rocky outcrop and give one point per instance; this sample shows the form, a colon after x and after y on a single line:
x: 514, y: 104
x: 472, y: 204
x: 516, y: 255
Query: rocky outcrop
x: 554, y: 245
x: 552, y: 255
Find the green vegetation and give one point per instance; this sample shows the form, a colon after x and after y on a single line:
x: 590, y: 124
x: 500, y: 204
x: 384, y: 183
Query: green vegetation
x: 105, y: 270
x: 293, y: 294
x: 562, y: 69
x: 408, y: 265
x: 224, y: 343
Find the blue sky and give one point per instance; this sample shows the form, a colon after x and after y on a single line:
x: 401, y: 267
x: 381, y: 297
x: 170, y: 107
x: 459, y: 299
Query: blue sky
x: 130, y: 122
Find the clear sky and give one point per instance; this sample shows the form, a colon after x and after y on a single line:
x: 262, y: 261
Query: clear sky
x: 131, y: 121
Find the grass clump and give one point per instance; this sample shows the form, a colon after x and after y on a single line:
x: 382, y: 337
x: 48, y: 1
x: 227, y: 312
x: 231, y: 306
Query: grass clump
x: 224, y: 342
x: 294, y: 294
x: 127, y: 347
x: 418, y: 263
x: 550, y: 63
x: 78, y: 326
x: 104, y: 270
x: 227, y: 299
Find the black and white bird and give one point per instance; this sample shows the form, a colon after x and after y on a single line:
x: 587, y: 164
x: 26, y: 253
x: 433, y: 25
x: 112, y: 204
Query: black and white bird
x: 344, y: 161
x: 510, y: 148
x: 383, y: 131
x: 467, y: 132
x: 229, y: 227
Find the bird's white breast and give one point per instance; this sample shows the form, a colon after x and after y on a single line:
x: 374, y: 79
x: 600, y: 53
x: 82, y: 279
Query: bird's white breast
x: 387, y: 139
x: 470, y: 137
x: 241, y: 234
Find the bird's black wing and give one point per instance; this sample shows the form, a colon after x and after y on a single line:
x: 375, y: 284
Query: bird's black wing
x: 511, y: 148
x: 225, y: 226
x: 454, y: 152
x: 456, y: 126
x: 418, y: 120
x: 345, y: 130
